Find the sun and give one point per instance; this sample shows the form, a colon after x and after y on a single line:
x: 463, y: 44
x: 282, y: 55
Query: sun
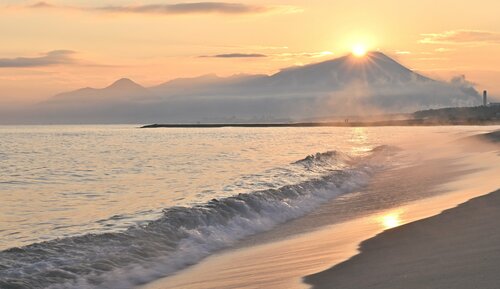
x: 359, y: 50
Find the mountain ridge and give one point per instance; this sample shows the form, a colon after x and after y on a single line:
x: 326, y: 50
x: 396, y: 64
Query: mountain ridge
x: 212, y: 78
x: 119, y: 89
x: 347, y: 85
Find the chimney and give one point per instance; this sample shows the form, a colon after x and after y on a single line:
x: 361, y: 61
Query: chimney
x: 485, y: 98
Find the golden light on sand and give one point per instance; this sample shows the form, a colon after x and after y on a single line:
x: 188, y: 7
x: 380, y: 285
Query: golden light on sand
x: 391, y: 220
x: 359, y: 50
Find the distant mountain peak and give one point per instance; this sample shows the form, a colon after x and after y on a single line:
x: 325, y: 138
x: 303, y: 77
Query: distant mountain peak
x: 373, y: 68
x: 122, y: 89
x: 124, y: 83
x: 123, y: 80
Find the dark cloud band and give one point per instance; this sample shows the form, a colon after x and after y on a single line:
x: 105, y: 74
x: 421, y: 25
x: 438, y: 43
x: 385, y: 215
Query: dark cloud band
x: 175, y: 9
x: 236, y: 55
x: 51, y: 58
x: 188, y: 8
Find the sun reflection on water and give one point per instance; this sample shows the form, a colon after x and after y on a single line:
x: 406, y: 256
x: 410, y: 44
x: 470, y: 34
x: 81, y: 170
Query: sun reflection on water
x: 359, y: 141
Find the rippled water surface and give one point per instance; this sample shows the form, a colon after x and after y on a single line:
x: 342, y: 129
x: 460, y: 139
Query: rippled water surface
x: 59, y: 181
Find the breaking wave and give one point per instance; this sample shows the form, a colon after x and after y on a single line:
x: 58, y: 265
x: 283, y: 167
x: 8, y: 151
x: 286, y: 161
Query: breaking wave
x: 183, y: 235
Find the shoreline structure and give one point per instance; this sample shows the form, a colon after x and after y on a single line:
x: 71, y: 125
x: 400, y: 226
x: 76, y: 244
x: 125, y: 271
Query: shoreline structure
x: 479, y: 115
x: 323, y: 124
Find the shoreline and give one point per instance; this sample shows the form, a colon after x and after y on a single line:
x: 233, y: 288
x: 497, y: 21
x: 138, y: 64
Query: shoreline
x: 478, y: 115
x: 409, y: 122
x: 458, y: 248
x: 282, y: 262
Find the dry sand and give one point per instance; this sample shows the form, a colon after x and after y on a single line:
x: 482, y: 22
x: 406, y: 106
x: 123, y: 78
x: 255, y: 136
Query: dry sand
x: 460, y: 248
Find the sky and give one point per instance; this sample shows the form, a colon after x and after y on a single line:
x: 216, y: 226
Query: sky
x: 61, y: 45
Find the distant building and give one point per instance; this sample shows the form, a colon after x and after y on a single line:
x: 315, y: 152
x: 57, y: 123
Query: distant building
x: 485, y: 100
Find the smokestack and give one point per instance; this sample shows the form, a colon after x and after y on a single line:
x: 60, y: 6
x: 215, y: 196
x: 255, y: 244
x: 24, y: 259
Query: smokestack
x: 485, y: 98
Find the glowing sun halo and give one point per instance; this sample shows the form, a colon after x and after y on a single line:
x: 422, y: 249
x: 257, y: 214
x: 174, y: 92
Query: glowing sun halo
x: 359, y: 50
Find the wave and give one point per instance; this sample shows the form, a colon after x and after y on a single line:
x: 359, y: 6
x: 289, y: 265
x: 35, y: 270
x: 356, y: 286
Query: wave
x: 183, y: 235
x: 324, y: 159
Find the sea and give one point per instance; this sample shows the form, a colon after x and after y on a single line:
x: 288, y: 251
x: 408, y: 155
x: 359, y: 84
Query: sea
x: 117, y: 206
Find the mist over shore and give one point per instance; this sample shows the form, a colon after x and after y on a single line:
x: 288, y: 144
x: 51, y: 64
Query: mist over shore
x: 371, y: 85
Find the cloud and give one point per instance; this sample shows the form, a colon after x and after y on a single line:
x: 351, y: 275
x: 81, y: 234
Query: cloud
x: 277, y: 56
x: 42, y: 4
x: 179, y: 8
x: 51, y: 58
x: 462, y: 36
x: 442, y: 49
x: 188, y: 8
x: 236, y: 55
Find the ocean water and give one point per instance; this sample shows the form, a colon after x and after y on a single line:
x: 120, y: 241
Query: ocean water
x: 118, y: 206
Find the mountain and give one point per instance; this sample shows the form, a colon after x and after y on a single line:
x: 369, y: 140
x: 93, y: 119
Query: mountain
x: 121, y: 90
x: 347, y: 85
x: 375, y: 68
x: 206, y: 84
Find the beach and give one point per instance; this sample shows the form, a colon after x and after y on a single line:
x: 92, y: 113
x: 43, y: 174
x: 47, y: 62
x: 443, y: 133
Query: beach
x: 300, y: 253
x: 458, y: 248
x: 303, y: 205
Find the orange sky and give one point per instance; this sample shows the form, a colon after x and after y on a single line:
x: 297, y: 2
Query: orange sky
x: 62, y: 45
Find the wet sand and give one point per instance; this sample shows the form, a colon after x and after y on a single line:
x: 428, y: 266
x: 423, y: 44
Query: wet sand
x: 281, y: 257
x: 459, y: 248
x: 491, y: 137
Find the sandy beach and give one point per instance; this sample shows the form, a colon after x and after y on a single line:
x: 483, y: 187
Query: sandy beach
x: 309, y: 247
x: 459, y: 248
